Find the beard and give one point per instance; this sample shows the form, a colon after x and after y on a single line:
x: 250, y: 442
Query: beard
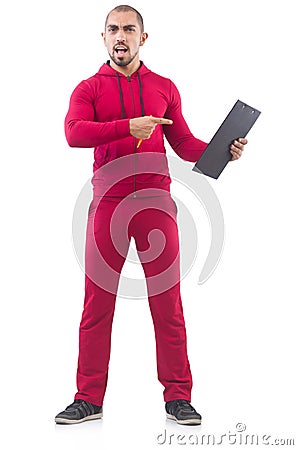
x: 122, y: 61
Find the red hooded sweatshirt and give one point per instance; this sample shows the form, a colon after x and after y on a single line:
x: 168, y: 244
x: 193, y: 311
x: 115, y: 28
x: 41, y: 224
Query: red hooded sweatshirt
x: 98, y: 116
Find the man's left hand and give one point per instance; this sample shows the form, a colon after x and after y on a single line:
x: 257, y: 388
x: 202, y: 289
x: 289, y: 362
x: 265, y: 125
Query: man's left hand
x: 237, y: 148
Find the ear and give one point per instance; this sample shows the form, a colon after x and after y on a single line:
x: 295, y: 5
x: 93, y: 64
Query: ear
x: 144, y: 37
x: 103, y: 35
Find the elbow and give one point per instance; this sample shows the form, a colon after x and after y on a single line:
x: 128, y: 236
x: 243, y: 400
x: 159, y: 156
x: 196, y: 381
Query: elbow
x: 71, y: 136
x: 76, y: 136
x: 71, y: 141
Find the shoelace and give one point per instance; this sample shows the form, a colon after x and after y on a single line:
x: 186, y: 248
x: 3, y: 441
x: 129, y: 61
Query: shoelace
x: 185, y: 403
x: 74, y: 403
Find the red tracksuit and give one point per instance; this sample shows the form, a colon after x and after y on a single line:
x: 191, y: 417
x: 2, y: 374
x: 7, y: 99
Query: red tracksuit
x: 131, y: 198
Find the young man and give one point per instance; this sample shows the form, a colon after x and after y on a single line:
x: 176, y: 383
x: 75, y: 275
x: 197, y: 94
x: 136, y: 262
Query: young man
x: 124, y: 111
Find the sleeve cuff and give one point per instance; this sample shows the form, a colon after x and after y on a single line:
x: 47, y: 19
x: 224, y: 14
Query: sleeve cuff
x: 122, y: 128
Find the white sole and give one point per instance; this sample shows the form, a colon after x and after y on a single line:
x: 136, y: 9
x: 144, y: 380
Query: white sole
x: 84, y: 419
x: 185, y: 422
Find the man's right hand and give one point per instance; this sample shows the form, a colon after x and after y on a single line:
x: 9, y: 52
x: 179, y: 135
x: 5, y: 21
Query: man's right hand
x: 143, y: 127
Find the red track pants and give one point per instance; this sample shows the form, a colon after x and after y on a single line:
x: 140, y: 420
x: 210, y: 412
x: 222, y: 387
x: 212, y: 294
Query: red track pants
x: 151, y: 221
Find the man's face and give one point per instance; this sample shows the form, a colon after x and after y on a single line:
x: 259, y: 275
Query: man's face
x: 123, y: 37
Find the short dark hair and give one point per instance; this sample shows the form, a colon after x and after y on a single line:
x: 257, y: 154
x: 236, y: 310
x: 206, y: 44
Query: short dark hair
x: 125, y: 8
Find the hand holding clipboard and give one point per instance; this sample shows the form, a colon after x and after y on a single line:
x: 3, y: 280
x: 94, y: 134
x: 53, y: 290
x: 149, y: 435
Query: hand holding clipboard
x: 237, y: 124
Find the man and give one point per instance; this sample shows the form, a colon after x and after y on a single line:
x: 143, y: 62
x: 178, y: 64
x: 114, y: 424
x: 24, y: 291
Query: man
x: 124, y: 111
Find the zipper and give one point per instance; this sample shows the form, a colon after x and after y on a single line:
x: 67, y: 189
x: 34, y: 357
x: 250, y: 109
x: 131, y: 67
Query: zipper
x: 134, y: 139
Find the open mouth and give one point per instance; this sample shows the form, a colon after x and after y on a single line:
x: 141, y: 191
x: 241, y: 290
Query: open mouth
x: 120, y: 50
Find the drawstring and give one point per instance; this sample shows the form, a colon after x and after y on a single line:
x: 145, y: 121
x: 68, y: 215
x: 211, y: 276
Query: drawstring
x: 141, y: 94
x: 121, y: 95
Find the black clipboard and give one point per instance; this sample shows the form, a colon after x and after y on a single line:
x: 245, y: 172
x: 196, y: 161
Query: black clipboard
x: 217, y: 154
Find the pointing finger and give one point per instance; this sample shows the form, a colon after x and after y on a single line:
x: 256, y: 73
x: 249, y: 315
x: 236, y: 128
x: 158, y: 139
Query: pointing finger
x: 161, y: 120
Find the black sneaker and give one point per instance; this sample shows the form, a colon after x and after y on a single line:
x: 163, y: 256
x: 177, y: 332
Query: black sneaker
x: 182, y: 412
x: 79, y: 411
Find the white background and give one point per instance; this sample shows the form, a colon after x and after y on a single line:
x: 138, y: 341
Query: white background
x: 242, y: 323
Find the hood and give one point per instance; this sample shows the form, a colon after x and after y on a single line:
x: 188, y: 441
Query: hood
x: 108, y: 71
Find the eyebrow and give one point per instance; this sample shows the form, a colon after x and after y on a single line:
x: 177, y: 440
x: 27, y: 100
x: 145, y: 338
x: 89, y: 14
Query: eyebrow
x: 125, y: 26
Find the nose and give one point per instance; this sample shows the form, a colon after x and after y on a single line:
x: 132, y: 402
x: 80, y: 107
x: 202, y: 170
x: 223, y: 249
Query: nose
x: 121, y: 35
